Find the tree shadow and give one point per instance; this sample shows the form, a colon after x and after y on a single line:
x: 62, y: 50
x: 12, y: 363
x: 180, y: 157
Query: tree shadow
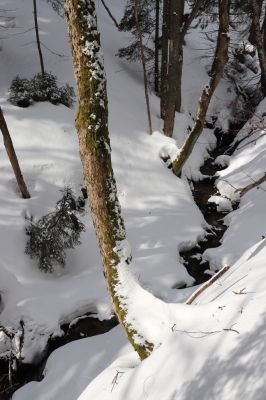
x: 241, y: 375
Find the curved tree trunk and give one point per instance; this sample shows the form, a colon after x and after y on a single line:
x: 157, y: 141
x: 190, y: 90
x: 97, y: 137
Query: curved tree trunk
x: 220, y: 59
x: 95, y: 152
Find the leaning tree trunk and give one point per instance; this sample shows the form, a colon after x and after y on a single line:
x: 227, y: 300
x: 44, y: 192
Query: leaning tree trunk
x: 13, y: 157
x: 220, y: 59
x: 95, y: 152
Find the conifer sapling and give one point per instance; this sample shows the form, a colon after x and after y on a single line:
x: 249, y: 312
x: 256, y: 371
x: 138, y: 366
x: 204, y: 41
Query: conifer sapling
x: 55, y: 232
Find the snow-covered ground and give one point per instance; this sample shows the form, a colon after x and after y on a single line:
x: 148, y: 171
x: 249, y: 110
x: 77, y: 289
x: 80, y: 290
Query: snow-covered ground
x: 196, y: 354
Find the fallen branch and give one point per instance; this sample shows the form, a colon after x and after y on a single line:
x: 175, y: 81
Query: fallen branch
x: 252, y: 185
x: 114, y: 381
x: 207, y: 284
x: 241, y: 291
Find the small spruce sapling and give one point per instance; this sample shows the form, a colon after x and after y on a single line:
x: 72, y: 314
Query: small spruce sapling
x: 55, y: 232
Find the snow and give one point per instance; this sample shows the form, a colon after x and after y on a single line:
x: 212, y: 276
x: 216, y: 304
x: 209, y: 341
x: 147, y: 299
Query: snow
x: 210, y: 350
x: 223, y: 204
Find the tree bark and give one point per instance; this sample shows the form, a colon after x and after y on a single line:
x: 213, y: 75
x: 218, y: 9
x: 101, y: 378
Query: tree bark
x: 156, y: 49
x: 220, y: 59
x: 164, y: 63
x: 143, y: 61
x: 174, y: 72
x: 37, y: 36
x: 175, y: 27
x: 12, y: 156
x: 95, y: 152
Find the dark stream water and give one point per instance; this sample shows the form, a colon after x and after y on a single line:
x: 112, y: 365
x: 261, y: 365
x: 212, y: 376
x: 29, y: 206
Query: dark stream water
x: 202, y: 191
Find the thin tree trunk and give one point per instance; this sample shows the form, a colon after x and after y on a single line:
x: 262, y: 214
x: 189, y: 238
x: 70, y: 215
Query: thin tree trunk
x: 198, y: 4
x: 145, y: 80
x: 259, y: 41
x: 110, y: 14
x: 173, y: 85
x: 164, y: 63
x: 156, y: 50
x: 220, y: 59
x: 37, y: 36
x: 12, y: 156
x: 95, y: 152
x: 184, y: 26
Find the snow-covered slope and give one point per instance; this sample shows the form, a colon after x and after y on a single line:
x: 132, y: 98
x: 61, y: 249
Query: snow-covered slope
x: 211, y: 350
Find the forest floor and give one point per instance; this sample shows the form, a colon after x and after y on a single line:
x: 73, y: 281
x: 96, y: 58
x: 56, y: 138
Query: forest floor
x: 214, y: 347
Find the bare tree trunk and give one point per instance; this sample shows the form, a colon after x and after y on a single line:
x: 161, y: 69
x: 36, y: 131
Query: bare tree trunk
x: 12, y: 156
x: 37, y: 36
x: 156, y: 50
x: 220, y: 59
x: 173, y: 85
x: 95, y: 152
x: 189, y: 19
x: 143, y: 61
x: 164, y: 63
x: 110, y: 14
x: 175, y: 27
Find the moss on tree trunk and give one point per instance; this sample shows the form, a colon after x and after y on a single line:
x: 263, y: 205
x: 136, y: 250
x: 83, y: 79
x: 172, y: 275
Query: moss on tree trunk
x: 95, y: 151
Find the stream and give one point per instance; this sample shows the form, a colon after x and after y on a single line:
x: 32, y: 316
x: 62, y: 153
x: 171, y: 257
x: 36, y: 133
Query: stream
x: 202, y: 191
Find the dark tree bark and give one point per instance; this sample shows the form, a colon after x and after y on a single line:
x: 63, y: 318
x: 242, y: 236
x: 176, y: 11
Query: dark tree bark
x: 220, y: 59
x: 37, y: 36
x: 175, y: 27
x: 156, y: 49
x: 143, y: 61
x: 174, y: 71
x: 95, y: 152
x: 12, y: 156
x: 164, y: 63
